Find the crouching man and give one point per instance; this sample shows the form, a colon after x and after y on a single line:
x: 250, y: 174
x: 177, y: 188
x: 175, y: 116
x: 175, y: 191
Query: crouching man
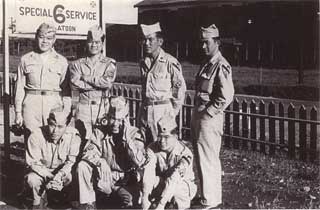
x: 112, y: 158
x: 51, y: 153
x: 168, y: 175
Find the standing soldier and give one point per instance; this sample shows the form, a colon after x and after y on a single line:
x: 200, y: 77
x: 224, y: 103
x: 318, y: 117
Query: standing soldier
x: 168, y: 175
x: 214, y: 92
x: 41, y: 81
x: 163, y: 85
x: 93, y: 77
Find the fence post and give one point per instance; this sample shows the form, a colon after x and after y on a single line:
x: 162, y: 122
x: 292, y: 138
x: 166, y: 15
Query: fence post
x: 236, y: 122
x: 272, y: 127
x: 281, y: 125
x: 188, y: 114
x: 253, y: 126
x: 227, y: 128
x: 291, y: 131
x: 262, y: 126
x: 138, y: 103
x: 245, y: 130
x: 302, y: 133
x: 313, y: 135
x: 131, y: 108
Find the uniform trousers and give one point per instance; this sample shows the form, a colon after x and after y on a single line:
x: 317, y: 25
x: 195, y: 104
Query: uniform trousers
x: 37, y: 185
x: 206, y: 132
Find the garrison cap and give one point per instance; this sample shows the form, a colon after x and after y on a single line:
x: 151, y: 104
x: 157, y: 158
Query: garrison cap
x: 210, y: 32
x: 46, y: 28
x: 119, y: 108
x: 95, y: 33
x: 150, y: 29
x: 58, y: 115
x: 166, y: 125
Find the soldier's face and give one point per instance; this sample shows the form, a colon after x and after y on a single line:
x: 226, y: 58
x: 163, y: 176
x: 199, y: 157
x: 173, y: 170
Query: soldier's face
x: 45, y: 41
x: 166, y: 142
x: 94, y: 46
x: 56, y: 129
x: 151, y: 43
x: 209, y: 46
x: 116, y: 124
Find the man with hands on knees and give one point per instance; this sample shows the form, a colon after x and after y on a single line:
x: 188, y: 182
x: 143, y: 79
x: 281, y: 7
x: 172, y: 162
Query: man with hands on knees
x: 111, y: 161
x: 51, y: 153
x: 168, y: 175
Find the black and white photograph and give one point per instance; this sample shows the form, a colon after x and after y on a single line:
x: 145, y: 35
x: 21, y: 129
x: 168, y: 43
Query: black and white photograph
x: 159, y: 104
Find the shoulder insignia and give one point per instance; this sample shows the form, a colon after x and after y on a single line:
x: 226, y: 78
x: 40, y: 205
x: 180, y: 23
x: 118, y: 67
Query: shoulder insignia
x: 226, y: 69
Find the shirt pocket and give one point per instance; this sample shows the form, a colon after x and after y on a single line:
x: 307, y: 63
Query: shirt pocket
x: 32, y: 72
x: 54, y: 75
x: 162, y: 81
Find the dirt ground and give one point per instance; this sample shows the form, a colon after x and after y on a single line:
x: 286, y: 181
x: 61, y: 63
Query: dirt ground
x: 250, y: 181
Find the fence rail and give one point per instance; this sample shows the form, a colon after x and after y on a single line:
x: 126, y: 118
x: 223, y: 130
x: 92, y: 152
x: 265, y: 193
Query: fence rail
x: 272, y: 127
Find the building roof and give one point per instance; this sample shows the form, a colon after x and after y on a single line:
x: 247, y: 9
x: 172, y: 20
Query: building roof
x: 153, y: 3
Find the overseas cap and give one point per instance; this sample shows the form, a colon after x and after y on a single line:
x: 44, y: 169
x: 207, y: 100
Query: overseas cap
x: 119, y: 108
x: 150, y: 29
x: 210, y: 32
x: 166, y: 125
x: 58, y: 115
x: 95, y: 33
x: 46, y: 28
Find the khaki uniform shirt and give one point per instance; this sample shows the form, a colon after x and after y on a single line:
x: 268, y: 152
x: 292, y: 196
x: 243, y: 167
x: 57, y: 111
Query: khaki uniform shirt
x: 42, y: 154
x: 173, y: 165
x: 35, y: 74
x: 163, y: 79
x: 214, y: 86
x: 99, y: 77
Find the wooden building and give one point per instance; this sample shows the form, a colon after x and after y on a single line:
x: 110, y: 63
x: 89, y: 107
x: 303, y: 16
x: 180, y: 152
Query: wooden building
x: 258, y: 33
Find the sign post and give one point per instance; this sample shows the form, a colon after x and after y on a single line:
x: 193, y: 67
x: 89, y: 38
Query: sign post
x: 6, y: 95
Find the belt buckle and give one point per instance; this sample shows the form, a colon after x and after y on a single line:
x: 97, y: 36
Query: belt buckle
x: 42, y: 92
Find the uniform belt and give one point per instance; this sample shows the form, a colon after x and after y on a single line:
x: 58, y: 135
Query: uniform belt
x: 157, y: 102
x: 92, y: 102
x: 43, y: 92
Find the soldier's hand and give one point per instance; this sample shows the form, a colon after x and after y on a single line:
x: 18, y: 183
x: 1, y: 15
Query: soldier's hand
x: 84, y: 78
x: 145, y: 204
x: 48, y: 175
x: 19, y: 119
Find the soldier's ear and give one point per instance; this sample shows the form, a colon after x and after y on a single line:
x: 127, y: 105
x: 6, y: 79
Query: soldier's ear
x: 160, y: 40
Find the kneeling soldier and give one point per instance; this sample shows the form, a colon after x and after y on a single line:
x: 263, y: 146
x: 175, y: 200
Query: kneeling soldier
x: 108, y: 160
x: 168, y: 175
x: 51, y: 153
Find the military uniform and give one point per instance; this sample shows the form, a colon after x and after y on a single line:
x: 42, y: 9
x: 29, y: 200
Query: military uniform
x: 94, y: 91
x: 117, y: 157
x: 214, y: 92
x: 163, y: 90
x: 45, y: 156
x: 41, y: 85
x: 168, y: 174
x: 114, y: 155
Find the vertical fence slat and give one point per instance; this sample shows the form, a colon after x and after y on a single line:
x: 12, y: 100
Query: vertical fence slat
x: 313, y: 135
x: 253, y: 125
x: 272, y: 127
x: 138, y: 103
x: 262, y: 126
x: 291, y: 132
x: 236, y: 121
x: 131, y: 108
x: 227, y: 128
x: 302, y: 134
x: 188, y: 114
x: 245, y: 131
x: 281, y: 124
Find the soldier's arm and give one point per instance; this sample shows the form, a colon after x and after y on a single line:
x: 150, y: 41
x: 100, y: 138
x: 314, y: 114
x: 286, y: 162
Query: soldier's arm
x: 223, y: 96
x: 178, y: 86
x: 75, y: 78
x: 106, y: 81
x: 135, y: 149
x: 34, y: 157
x: 19, y: 89
x: 66, y: 89
x: 149, y: 177
x: 72, y: 155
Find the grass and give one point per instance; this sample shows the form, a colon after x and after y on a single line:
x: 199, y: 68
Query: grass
x: 253, y: 180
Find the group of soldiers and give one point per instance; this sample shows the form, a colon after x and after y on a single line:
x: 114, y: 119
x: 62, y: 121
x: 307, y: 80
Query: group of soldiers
x: 100, y: 152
